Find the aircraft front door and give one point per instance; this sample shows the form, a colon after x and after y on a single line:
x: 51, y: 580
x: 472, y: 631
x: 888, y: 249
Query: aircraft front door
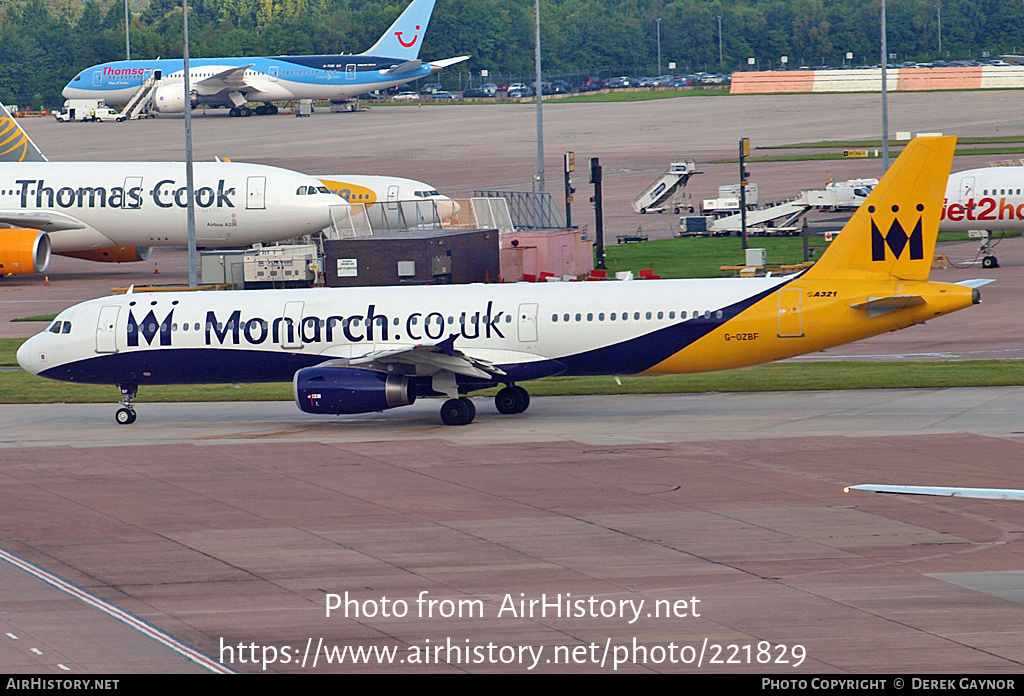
x: 527, y: 322
x: 256, y: 191
x: 350, y: 71
x: 790, y: 313
x: 273, y: 72
x: 106, y: 327
x: 966, y: 189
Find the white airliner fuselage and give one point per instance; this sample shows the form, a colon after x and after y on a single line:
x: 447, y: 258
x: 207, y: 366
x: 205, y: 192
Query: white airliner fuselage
x: 87, y: 206
x: 990, y: 198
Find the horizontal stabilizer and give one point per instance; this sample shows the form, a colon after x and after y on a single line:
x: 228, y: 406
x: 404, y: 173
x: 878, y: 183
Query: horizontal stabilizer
x: 947, y: 491
x: 881, y: 305
x: 439, y: 65
x: 976, y: 282
x: 407, y: 66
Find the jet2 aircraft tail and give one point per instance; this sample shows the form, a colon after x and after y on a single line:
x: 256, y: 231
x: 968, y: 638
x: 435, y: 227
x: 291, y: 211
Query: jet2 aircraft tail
x: 893, y: 233
x: 405, y: 37
x: 15, y: 145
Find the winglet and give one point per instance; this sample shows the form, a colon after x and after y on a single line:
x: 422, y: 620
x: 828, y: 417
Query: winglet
x: 893, y: 233
x: 15, y: 144
x: 439, y: 65
x: 404, y: 38
x: 448, y: 344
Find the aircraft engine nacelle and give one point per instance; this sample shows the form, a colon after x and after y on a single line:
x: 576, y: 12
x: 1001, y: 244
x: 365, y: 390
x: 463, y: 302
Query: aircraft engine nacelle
x: 338, y: 390
x: 112, y: 254
x: 23, y: 251
x: 170, y: 99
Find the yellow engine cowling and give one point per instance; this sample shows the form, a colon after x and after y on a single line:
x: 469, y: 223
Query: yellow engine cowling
x: 112, y: 254
x: 23, y: 251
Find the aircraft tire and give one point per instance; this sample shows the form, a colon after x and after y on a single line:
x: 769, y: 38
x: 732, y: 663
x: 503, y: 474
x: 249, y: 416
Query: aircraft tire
x: 512, y: 400
x: 125, y: 416
x: 272, y: 110
x: 989, y: 262
x: 245, y: 112
x: 459, y: 411
x: 233, y: 112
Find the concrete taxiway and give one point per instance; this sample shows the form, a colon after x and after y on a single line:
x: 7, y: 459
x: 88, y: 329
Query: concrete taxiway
x: 235, y: 524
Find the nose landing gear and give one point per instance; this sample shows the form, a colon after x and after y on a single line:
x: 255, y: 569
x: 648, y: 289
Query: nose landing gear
x: 126, y: 414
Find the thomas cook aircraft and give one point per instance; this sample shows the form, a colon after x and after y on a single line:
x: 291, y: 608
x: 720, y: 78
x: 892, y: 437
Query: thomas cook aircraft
x: 119, y: 211
x: 355, y: 350
x: 235, y: 82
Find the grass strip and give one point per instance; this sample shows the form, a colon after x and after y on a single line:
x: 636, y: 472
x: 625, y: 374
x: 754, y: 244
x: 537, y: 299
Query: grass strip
x: 22, y: 388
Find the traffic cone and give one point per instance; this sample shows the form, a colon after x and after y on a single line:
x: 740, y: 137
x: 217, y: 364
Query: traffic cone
x: 47, y: 283
x: 156, y: 268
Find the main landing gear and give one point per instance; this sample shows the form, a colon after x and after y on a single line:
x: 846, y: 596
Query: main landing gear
x: 512, y: 399
x: 461, y: 411
x: 126, y: 414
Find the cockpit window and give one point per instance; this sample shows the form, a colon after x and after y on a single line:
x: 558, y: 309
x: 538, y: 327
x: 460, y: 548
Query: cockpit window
x: 60, y: 327
x: 322, y: 189
x: 77, y: 78
x: 67, y: 328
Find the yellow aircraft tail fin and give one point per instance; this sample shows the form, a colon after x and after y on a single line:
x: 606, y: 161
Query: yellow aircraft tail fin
x: 893, y: 233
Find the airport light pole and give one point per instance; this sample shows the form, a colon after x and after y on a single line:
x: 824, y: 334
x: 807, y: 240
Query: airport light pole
x: 885, y: 99
x: 938, y: 12
x: 193, y: 272
x: 659, y: 45
x: 127, y: 34
x: 540, y: 115
x: 719, y: 42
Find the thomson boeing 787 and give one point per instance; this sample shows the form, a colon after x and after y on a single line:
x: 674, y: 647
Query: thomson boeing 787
x: 236, y: 81
x: 354, y: 350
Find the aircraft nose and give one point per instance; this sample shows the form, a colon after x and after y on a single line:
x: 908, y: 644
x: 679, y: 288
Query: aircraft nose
x: 32, y: 355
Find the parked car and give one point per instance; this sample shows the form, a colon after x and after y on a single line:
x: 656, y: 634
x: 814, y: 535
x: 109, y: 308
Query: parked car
x: 661, y: 81
x: 561, y: 87
x: 406, y: 96
x: 369, y: 96
x: 444, y: 94
x: 490, y: 88
x: 518, y: 89
x: 592, y: 84
x: 430, y: 88
x: 679, y: 82
x: 619, y: 82
x: 476, y: 93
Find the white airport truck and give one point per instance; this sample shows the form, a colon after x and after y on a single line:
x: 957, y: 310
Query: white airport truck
x: 87, y: 110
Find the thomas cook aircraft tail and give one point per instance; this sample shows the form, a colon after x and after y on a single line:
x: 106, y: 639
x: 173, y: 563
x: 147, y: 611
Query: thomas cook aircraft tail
x: 893, y: 233
x: 404, y: 38
x: 15, y: 145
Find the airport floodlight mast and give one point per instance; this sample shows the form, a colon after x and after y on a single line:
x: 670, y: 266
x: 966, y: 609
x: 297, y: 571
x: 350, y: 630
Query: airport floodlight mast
x: 719, y: 42
x: 193, y: 273
x: 885, y: 99
x: 659, y: 45
x: 540, y: 117
x: 127, y: 35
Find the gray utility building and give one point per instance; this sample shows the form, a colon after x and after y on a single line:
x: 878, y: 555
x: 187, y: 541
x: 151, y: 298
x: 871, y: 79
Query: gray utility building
x: 413, y: 258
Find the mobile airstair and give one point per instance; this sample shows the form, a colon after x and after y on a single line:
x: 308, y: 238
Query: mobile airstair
x: 666, y: 190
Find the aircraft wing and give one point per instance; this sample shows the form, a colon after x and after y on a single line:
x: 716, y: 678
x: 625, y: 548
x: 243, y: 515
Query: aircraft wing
x: 231, y: 79
x: 439, y: 65
x: 40, y: 220
x: 948, y: 491
x: 438, y: 357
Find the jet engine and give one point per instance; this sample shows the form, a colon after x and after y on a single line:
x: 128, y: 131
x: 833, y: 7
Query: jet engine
x: 112, y: 254
x: 170, y: 99
x: 23, y: 251
x: 336, y: 390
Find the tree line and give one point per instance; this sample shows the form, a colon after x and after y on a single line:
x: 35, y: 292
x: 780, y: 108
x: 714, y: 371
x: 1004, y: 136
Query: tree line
x: 44, y: 43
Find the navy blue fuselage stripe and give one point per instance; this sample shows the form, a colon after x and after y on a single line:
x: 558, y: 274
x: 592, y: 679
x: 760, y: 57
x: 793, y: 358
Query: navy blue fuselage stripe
x: 229, y: 365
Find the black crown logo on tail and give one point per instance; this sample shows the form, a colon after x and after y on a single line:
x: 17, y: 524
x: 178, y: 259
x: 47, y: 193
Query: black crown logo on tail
x: 897, y: 238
